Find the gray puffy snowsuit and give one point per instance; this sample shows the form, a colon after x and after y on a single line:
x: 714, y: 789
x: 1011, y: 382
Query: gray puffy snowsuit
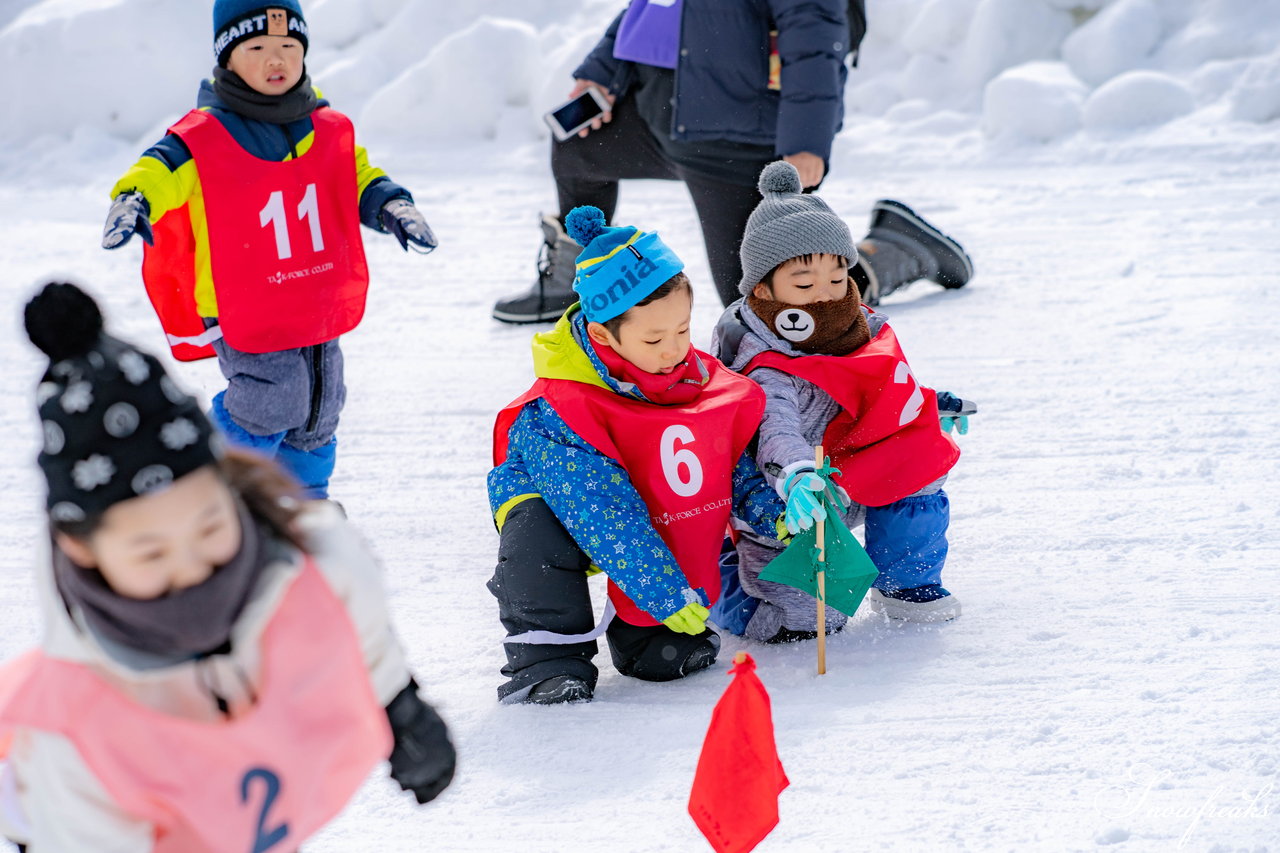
x: 905, y: 539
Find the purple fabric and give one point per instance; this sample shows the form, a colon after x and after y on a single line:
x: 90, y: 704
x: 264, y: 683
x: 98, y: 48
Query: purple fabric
x: 650, y: 33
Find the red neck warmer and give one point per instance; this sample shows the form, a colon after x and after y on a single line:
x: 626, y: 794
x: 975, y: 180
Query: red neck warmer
x: 680, y: 386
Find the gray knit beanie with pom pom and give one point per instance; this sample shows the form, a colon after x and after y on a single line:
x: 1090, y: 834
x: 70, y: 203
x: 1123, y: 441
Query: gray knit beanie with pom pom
x: 787, y: 224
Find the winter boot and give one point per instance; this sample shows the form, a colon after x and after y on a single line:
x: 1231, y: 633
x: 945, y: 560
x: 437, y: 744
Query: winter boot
x: 901, y: 247
x: 559, y: 690
x: 929, y: 603
x: 657, y: 653
x: 553, y: 292
x: 702, y: 656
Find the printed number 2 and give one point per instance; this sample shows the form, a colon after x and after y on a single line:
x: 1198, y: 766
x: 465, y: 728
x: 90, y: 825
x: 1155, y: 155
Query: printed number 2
x: 265, y: 839
x: 673, y: 460
x: 274, y: 215
x: 911, y: 409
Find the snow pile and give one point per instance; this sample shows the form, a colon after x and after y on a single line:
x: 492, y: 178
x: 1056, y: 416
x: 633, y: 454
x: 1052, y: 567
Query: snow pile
x: 1042, y: 70
x: 974, y: 75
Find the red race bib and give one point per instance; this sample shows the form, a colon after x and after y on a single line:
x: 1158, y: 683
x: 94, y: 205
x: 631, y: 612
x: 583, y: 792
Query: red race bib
x: 679, y: 458
x: 285, y: 248
x: 886, y: 441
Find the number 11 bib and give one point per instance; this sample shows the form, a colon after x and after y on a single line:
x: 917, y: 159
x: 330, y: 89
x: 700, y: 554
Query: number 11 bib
x: 284, y: 237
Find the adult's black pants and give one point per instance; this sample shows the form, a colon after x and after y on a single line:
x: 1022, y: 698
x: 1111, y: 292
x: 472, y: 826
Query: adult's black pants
x: 587, y: 171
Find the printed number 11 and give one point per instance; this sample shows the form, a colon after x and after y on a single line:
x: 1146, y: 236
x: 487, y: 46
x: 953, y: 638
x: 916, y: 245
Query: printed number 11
x: 274, y: 215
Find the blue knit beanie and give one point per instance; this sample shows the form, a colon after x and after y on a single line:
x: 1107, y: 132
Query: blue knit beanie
x: 237, y: 20
x: 618, y: 267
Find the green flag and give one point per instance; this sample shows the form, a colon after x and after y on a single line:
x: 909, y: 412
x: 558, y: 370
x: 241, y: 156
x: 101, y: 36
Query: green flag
x: 849, y: 570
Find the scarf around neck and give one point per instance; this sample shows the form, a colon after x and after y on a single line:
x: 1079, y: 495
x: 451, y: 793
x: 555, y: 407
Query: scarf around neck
x: 241, y: 98
x: 182, y: 624
x: 821, y: 328
x: 677, y: 388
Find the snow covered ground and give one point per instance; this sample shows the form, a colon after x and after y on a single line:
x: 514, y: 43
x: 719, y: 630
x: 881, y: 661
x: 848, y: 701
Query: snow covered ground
x: 1115, y: 679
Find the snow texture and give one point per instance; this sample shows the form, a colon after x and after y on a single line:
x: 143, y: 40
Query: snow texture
x: 1135, y: 99
x: 1116, y: 530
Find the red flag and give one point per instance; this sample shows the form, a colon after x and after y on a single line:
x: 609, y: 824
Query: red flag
x: 734, y: 800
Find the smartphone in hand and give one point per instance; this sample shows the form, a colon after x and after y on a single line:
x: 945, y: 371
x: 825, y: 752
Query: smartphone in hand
x: 572, y: 116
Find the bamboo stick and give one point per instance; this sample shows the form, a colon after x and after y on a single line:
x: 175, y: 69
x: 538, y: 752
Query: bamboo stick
x: 822, y: 580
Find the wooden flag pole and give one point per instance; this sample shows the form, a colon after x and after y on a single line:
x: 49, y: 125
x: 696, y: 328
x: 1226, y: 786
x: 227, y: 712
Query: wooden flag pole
x: 822, y: 579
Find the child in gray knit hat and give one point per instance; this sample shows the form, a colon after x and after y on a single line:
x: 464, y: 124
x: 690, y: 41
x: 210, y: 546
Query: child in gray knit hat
x: 834, y: 374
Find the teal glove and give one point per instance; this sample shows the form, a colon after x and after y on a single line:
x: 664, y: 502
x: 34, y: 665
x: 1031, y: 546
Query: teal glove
x: 690, y: 619
x: 803, y: 493
x: 953, y: 413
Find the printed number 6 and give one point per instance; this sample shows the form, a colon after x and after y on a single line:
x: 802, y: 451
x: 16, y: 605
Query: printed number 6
x: 673, y: 460
x: 264, y: 840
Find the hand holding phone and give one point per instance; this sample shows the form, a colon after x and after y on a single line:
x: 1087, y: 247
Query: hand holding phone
x: 589, y: 107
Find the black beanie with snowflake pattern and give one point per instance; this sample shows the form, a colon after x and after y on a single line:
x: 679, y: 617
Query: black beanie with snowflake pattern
x: 115, y: 425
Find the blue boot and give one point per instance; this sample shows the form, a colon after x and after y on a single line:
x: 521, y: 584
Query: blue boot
x: 311, y: 468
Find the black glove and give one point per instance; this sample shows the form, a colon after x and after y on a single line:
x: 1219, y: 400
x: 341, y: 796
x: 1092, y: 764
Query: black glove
x: 423, y: 759
x: 404, y: 221
x: 129, y: 212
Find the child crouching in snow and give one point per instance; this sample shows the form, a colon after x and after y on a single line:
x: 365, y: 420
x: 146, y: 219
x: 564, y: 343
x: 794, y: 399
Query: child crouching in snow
x: 218, y: 670
x: 627, y: 454
x: 834, y: 374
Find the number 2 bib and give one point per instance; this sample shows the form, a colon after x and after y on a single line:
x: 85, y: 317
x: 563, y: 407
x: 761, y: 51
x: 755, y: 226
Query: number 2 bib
x: 261, y: 782
x: 886, y: 441
x: 285, y: 249
x: 679, y: 458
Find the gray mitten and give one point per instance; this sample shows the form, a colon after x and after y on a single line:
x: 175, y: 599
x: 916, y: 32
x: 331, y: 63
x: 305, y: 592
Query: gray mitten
x: 129, y: 212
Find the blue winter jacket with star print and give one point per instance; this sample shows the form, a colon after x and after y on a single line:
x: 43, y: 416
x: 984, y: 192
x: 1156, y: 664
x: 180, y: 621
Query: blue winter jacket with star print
x: 544, y: 454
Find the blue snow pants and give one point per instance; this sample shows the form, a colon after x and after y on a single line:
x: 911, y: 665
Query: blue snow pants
x: 907, y: 541
x: 285, y: 405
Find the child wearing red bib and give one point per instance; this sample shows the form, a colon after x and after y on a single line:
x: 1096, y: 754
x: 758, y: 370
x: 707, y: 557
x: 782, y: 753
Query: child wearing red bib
x: 251, y: 209
x: 834, y: 374
x: 218, y: 670
x: 628, y: 455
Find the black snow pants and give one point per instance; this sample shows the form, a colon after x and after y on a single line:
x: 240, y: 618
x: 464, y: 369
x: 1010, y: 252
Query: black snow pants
x: 541, y: 585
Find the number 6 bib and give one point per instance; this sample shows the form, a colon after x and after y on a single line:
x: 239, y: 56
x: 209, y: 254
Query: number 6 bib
x: 679, y: 458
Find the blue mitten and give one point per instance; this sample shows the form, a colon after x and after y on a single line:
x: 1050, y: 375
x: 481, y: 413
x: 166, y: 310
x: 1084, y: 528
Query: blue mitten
x: 407, y: 224
x: 129, y: 213
x: 953, y: 412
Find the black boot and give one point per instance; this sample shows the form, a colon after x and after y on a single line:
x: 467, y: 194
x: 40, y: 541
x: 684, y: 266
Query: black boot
x: 553, y: 292
x: 901, y: 247
x: 659, y: 654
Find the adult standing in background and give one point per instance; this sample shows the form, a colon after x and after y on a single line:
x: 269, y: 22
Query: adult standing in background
x: 706, y: 92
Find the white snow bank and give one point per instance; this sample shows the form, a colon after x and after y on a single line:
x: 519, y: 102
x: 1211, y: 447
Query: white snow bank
x: 1039, y: 100
x: 1005, y: 33
x: 1137, y: 99
x: 458, y: 92
x: 1118, y: 39
x: 1257, y: 97
x: 104, y: 65
x: 444, y: 72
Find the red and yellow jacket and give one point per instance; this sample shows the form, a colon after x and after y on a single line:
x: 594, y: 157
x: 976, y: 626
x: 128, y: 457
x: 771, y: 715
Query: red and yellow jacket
x: 166, y: 175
